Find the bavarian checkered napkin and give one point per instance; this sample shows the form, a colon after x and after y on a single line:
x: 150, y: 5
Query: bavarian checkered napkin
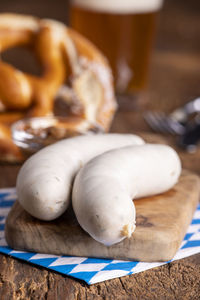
x: 92, y: 270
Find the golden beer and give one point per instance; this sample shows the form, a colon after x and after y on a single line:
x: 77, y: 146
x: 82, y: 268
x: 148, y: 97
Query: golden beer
x: 124, y: 31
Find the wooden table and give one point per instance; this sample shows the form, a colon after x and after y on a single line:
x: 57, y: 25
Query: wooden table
x: 175, y: 79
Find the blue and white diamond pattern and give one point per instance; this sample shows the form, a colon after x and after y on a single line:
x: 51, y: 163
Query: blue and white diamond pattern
x: 92, y: 270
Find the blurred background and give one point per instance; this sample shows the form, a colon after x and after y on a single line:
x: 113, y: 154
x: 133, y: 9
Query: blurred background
x: 175, y: 64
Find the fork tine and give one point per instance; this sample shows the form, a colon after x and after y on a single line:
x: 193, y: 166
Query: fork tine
x: 151, y: 121
x: 159, y: 118
x: 155, y: 122
x: 159, y: 122
x: 164, y: 122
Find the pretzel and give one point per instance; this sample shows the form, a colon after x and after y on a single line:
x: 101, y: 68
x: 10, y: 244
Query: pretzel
x: 63, y: 55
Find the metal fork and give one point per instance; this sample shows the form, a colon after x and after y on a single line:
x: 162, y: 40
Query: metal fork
x: 162, y: 123
x: 174, y: 123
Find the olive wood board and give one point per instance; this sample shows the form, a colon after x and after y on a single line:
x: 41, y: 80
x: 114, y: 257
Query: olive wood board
x: 161, y: 224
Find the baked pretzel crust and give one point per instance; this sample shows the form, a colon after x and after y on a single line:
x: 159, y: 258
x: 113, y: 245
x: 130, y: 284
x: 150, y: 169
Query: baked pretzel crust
x: 63, y: 54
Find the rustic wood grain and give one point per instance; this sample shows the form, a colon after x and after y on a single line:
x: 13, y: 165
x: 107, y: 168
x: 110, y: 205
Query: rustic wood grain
x: 178, y: 280
x: 174, y: 80
x: 165, y: 218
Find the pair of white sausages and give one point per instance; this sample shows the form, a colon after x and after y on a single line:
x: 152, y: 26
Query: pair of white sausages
x: 104, y: 188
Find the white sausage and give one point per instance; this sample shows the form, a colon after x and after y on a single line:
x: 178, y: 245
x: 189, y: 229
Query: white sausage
x: 45, y: 180
x: 104, y: 188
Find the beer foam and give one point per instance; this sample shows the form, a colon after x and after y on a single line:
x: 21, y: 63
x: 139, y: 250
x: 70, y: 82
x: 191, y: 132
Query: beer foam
x: 120, y: 6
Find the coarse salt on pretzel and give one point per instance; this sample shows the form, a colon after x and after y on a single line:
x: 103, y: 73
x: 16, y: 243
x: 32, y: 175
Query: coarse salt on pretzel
x: 63, y: 54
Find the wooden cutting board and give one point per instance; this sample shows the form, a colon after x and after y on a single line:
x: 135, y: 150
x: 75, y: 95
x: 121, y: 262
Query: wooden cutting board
x: 161, y: 224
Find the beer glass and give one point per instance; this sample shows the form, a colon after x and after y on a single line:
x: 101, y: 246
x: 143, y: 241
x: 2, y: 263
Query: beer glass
x: 124, y: 31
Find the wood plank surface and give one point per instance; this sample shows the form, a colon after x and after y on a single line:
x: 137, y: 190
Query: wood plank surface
x: 161, y: 223
x: 174, y: 80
